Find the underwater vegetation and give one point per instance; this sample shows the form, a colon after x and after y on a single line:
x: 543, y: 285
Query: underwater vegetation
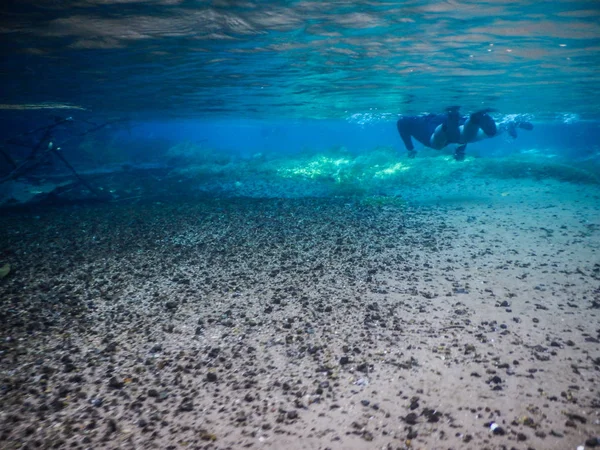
x: 382, y: 170
x: 193, y: 169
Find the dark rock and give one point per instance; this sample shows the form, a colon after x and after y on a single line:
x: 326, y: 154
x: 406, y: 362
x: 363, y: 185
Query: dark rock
x: 110, y: 348
x: 111, y: 426
x: 364, y: 367
x: 211, y: 376
x: 529, y: 422
x: 57, y: 404
x: 115, y: 383
x: 63, y: 391
x: 432, y: 415
x: 367, y: 436
x: 292, y: 415
x: 171, y: 306
x: 186, y: 405
x: 76, y: 379
x: 156, y: 348
x: 411, y: 419
x: 592, y: 442
x: 344, y: 360
x: 577, y: 417
x: 499, y: 431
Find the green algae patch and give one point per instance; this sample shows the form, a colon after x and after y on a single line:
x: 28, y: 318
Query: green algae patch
x: 4, y: 270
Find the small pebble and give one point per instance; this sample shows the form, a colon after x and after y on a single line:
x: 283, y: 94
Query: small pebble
x: 211, y: 376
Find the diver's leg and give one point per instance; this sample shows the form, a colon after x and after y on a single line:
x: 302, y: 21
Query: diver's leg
x: 439, y: 138
x: 469, y: 130
x: 405, y: 125
x: 480, y: 120
x: 448, y: 131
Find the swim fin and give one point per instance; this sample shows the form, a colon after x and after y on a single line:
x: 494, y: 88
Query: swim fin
x: 477, y: 115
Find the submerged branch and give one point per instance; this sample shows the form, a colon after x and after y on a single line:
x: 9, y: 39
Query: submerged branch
x: 38, y: 153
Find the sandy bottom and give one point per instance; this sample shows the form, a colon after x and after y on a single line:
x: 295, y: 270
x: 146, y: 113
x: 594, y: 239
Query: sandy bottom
x: 466, y: 318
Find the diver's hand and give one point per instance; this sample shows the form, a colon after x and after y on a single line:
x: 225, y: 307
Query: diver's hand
x: 459, y: 152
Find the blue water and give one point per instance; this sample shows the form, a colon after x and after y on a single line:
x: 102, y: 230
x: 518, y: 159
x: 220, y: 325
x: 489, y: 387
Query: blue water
x: 281, y: 78
x: 295, y: 59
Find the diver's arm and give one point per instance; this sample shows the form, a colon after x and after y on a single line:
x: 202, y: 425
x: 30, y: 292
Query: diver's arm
x: 404, y: 126
x: 459, y: 152
x: 404, y: 130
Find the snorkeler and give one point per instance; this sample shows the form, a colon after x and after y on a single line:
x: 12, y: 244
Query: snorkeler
x: 438, y: 130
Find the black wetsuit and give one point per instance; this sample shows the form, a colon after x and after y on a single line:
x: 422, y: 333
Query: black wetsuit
x: 422, y: 127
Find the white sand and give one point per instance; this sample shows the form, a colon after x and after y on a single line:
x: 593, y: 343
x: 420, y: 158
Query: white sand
x: 330, y: 325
